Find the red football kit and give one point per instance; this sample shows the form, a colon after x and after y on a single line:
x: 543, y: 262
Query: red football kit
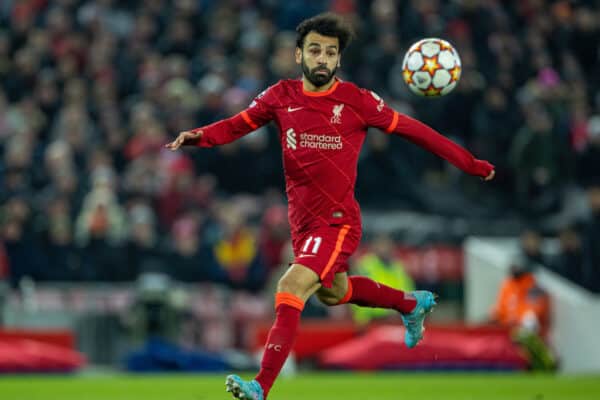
x: 321, y: 134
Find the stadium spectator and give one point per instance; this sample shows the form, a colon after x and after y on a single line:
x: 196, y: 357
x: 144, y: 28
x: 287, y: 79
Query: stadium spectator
x: 175, y: 194
x: 380, y: 163
x: 3, y: 262
x: 531, y: 246
x: 587, y: 160
x: 237, y: 250
x: 536, y: 157
x: 521, y: 303
x: 569, y: 261
x: 143, y: 251
x: 591, y: 247
x: 101, y: 231
x: 64, y: 261
x: 190, y: 258
x: 380, y: 264
x: 22, y: 247
x: 524, y: 307
x: 274, y: 236
x: 495, y: 121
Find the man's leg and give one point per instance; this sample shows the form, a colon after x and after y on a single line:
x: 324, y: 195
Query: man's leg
x: 365, y: 292
x: 293, y: 289
x: 335, y: 294
x: 362, y: 291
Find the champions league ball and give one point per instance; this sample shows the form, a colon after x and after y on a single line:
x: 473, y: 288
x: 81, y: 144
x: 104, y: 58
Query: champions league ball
x: 431, y: 67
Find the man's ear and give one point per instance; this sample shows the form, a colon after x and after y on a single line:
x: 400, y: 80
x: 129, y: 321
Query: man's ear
x: 298, y: 55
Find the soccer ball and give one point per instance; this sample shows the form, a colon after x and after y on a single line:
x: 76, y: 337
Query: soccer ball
x: 431, y: 67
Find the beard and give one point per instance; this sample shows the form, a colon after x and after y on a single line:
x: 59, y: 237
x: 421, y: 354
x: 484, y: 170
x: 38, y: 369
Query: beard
x: 317, y: 79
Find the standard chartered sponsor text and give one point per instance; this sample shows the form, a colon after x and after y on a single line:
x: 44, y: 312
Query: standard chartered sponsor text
x: 322, y: 142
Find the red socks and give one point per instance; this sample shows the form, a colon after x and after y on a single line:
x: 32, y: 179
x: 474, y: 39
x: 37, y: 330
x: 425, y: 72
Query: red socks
x: 281, y: 338
x: 361, y: 291
x: 366, y: 292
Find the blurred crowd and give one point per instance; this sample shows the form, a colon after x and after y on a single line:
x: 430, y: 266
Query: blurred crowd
x: 91, y: 90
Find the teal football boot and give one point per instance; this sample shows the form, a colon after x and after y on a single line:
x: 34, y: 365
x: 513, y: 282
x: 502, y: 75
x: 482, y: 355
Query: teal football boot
x: 413, y: 321
x: 243, y: 390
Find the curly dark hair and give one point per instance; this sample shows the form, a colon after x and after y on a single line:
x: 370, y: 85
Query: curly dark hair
x: 326, y: 24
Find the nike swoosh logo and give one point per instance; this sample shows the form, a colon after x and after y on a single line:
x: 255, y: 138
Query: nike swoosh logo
x: 290, y: 109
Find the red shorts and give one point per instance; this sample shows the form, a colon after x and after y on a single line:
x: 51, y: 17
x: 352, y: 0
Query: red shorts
x: 326, y: 250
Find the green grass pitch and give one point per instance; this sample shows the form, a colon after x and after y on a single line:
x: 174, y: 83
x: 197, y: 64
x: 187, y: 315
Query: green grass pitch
x: 326, y: 386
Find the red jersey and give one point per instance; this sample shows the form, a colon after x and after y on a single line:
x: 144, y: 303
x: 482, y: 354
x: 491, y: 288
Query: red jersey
x: 321, y: 134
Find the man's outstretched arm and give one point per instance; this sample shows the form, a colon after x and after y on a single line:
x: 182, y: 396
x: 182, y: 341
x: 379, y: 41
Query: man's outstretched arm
x: 428, y: 138
x: 218, y: 133
x: 379, y: 115
x: 227, y: 130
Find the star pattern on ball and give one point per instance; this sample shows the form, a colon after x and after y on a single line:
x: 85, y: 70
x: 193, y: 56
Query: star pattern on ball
x: 444, y: 45
x: 431, y: 91
x: 407, y: 75
x: 430, y: 64
x: 455, y: 72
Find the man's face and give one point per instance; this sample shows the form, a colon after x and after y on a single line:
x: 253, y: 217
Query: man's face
x: 319, y: 58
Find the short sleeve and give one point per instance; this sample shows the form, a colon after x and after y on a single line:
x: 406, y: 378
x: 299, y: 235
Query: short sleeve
x: 376, y: 113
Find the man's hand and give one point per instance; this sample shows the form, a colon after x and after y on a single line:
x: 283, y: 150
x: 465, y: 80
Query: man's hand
x: 490, y: 176
x: 182, y: 138
x: 481, y: 167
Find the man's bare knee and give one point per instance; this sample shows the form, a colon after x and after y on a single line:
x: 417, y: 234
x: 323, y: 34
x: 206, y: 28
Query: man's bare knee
x: 287, y: 284
x: 332, y: 296
x: 328, y: 299
x: 299, y: 281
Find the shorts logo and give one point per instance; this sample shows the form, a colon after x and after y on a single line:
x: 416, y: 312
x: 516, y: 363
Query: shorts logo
x: 337, y: 114
x: 291, y: 139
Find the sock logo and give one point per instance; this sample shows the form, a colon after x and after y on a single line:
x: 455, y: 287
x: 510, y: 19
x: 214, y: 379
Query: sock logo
x: 276, y: 347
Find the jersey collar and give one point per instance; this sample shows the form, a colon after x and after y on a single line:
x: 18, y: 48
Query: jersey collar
x: 321, y: 94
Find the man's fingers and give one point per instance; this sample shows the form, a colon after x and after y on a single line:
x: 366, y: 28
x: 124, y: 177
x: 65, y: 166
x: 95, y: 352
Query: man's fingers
x: 183, y: 136
x: 490, y: 176
x: 174, y: 145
